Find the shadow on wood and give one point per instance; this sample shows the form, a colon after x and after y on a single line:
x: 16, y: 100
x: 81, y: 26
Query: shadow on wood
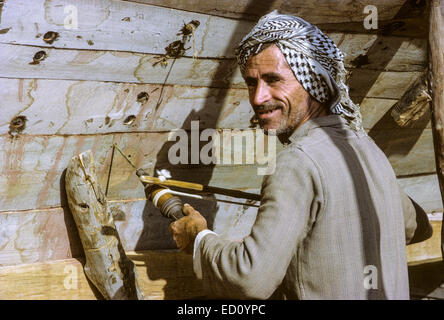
x: 427, y: 280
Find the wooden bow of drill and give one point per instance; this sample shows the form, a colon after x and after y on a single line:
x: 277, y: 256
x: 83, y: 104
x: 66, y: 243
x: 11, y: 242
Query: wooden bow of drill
x: 161, y: 181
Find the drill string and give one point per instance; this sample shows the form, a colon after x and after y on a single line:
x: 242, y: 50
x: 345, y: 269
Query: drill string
x: 195, y: 187
x: 109, y: 171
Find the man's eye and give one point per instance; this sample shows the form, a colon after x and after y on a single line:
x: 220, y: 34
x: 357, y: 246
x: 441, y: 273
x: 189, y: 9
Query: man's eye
x: 250, y: 83
x: 273, y: 79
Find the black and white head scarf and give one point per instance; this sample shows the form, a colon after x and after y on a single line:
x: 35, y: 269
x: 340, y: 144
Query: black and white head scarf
x: 316, y: 61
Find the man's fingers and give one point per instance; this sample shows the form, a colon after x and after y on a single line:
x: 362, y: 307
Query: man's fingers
x: 172, y: 227
x: 187, y: 209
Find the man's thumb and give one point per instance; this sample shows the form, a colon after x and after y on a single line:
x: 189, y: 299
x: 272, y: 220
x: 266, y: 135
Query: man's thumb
x: 187, y: 209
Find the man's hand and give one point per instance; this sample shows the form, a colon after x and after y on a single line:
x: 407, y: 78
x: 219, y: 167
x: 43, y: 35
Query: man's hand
x: 185, y: 230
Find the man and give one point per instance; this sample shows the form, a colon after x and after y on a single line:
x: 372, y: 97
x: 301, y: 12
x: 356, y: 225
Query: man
x: 333, y: 223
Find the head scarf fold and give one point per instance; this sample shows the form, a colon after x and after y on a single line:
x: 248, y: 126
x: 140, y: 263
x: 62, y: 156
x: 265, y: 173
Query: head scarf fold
x: 315, y: 60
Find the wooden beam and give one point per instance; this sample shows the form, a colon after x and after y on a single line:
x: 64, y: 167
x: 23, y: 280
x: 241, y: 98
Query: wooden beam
x: 29, y: 181
x: 107, y: 265
x: 118, y: 26
x: 65, y: 113
x: 71, y: 64
x: 128, y: 67
x: 319, y: 11
x: 376, y: 84
x: 113, y: 103
x: 429, y: 249
x: 149, y: 29
x: 408, y: 150
x: 163, y: 275
x: 50, y: 234
x: 436, y: 56
x: 424, y: 190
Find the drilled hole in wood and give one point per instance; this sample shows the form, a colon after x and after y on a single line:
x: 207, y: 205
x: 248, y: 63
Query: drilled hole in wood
x: 50, y: 37
x: 38, y: 56
x: 129, y: 120
x: 142, y: 97
x: 17, y: 125
x: 190, y: 27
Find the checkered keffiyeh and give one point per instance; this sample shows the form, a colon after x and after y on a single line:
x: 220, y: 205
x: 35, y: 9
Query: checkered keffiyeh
x: 316, y: 61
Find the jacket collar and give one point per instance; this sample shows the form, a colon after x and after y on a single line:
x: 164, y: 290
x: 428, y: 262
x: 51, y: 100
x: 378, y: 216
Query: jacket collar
x: 324, y: 121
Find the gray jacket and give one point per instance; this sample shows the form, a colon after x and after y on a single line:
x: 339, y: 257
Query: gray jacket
x: 333, y: 224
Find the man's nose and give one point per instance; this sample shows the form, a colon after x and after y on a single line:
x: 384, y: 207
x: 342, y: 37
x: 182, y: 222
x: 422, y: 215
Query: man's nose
x: 261, y: 94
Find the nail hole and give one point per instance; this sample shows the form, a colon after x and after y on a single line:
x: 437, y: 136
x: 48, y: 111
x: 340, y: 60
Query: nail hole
x: 129, y: 120
x: 38, y: 56
x: 50, y: 37
x: 142, y: 97
x: 17, y: 125
x: 190, y: 27
x: 84, y: 206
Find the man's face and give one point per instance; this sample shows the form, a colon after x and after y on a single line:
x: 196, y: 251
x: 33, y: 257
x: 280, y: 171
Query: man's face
x: 277, y: 98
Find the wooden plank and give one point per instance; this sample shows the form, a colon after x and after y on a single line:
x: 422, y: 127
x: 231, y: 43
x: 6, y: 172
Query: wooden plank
x: 151, y: 28
x: 117, y: 66
x: 32, y: 166
x: 401, y: 54
x: 374, y: 109
x: 411, y: 20
x: 86, y: 107
x: 377, y: 84
x: 376, y: 52
x: 377, y: 115
x: 163, y: 275
x: 65, y: 101
x: 424, y: 190
x: 319, y: 11
x: 138, y: 68
x: 41, y: 235
x: 429, y: 249
x: 117, y: 25
x: 436, y: 81
x: 37, y: 235
x: 426, y: 280
x: 410, y: 151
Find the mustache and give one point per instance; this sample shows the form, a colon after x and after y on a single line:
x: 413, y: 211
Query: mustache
x: 266, y: 107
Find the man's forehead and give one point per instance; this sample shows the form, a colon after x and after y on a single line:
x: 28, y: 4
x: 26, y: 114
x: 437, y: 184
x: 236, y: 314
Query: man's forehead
x: 269, y: 60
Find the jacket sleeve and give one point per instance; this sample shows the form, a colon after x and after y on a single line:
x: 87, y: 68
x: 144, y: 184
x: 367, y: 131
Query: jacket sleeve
x: 417, y: 225
x: 254, y: 267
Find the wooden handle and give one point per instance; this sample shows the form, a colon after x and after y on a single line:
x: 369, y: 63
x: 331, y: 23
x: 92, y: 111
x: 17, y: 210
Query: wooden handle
x: 199, y: 187
x: 172, y: 183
